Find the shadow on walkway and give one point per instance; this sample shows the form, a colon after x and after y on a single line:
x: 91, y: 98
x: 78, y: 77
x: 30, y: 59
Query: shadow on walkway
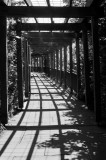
x: 52, y: 125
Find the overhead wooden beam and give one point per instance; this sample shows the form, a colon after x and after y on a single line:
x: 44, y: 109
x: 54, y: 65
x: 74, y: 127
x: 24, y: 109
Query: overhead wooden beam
x: 29, y: 3
x: 58, y: 40
x: 88, y: 4
x: 48, y: 3
x: 55, y: 26
x: 43, y: 45
x: 66, y: 20
x: 44, y: 12
x: 48, y: 35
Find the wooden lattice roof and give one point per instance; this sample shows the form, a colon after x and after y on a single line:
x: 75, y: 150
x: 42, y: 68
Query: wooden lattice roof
x: 51, y: 16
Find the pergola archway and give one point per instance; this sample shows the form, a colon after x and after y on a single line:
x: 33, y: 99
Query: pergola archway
x: 42, y: 44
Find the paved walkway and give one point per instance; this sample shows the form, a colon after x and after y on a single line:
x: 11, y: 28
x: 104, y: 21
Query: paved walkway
x: 52, y: 126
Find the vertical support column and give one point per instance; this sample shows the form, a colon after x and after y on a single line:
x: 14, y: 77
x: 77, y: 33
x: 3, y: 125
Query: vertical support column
x: 29, y: 62
x: 78, y: 65
x: 60, y: 66
x: 34, y: 63
x: 51, y: 65
x: 42, y: 63
x: 65, y: 65
x: 71, y: 75
x: 96, y: 69
x: 26, y: 70
x: 56, y: 66
x: 48, y: 66
x: 3, y: 71
x: 19, y: 68
x: 86, y: 69
x: 37, y: 63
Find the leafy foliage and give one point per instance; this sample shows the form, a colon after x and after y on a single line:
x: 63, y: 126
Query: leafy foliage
x: 12, y: 64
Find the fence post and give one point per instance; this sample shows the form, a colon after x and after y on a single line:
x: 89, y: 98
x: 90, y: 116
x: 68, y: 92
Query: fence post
x: 3, y: 71
x: 96, y: 69
x: 19, y: 67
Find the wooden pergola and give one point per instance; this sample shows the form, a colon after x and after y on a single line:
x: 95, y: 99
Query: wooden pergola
x: 48, y: 45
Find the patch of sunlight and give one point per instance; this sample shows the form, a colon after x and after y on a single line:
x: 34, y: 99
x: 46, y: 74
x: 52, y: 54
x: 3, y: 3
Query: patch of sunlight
x: 43, y: 91
x: 73, y: 155
x: 61, y: 104
x: 58, y: 20
x: 34, y: 105
x: 39, y: 2
x: 79, y: 3
x: 56, y: 96
x: 49, y: 118
x: 84, y: 106
x: 4, y: 137
x: 34, y: 96
x: 43, y: 20
x: 47, y: 105
x: 67, y: 119
x: 94, y: 153
x: 59, y: 3
x: 46, y: 96
x: 30, y: 119
x: 20, y: 144
x: 52, y: 90
x: 71, y: 105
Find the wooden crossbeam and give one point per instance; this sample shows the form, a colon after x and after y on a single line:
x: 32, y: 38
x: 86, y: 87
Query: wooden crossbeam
x: 45, y: 12
x: 49, y: 40
x: 29, y: 3
x: 54, y: 26
x: 48, y: 3
x: 48, y: 35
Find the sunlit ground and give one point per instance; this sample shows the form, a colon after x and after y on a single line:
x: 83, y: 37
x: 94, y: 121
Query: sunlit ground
x: 52, y: 126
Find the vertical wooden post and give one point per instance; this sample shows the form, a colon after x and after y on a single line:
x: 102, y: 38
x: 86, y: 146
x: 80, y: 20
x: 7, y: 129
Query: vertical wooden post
x: 26, y: 70
x: 61, y: 66
x: 56, y: 66
x: 71, y: 75
x: 96, y: 69
x: 37, y: 63
x: 3, y: 71
x: 65, y: 65
x: 42, y: 63
x: 78, y: 65
x: 54, y: 60
x: 51, y: 65
x: 19, y: 68
x: 29, y: 62
x: 34, y: 63
x: 48, y: 62
x: 86, y: 68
